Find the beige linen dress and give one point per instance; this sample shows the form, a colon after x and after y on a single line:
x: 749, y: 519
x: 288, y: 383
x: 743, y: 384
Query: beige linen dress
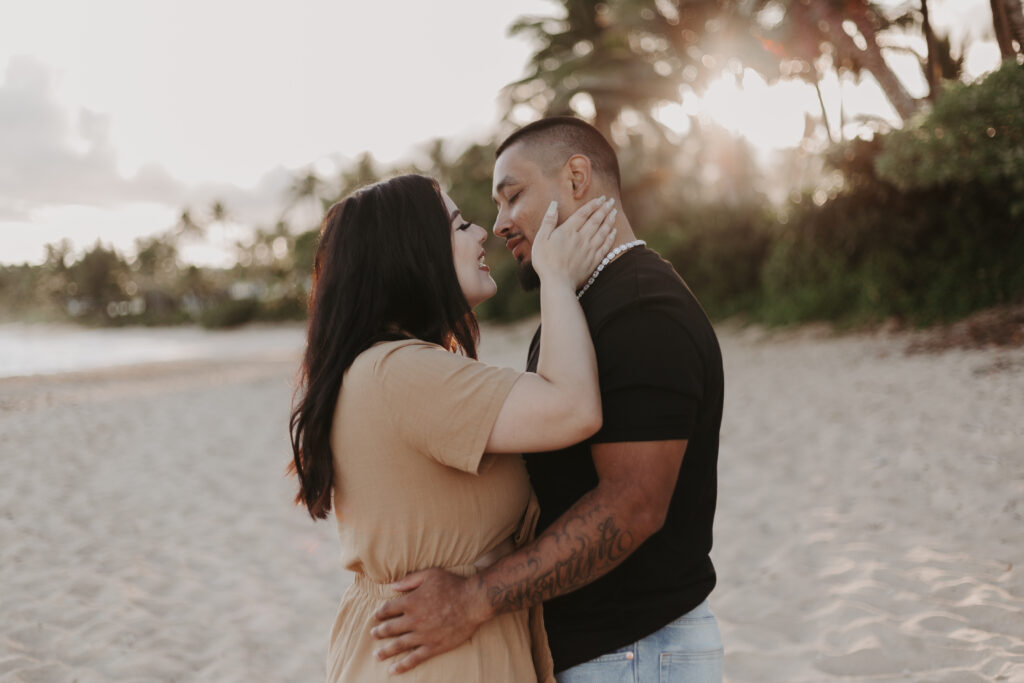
x: 414, y: 490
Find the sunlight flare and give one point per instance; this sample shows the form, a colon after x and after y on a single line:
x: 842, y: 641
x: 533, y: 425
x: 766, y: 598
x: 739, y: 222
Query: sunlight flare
x: 770, y: 117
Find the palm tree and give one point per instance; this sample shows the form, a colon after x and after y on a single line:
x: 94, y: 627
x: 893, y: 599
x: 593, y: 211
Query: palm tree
x: 218, y: 212
x: 156, y: 257
x: 606, y: 50
x: 630, y: 56
x: 1015, y: 18
x: 932, y: 71
x: 1008, y: 22
x: 868, y: 20
x: 938, y: 63
x: 219, y: 215
x: 807, y: 25
x: 440, y: 166
x: 363, y: 172
x: 305, y: 187
x: 634, y: 54
x: 57, y: 255
x: 187, y: 226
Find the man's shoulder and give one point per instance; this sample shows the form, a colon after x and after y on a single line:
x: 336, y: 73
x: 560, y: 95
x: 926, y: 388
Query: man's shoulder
x: 644, y: 286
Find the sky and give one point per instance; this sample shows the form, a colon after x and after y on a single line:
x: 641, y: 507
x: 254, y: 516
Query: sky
x: 116, y: 114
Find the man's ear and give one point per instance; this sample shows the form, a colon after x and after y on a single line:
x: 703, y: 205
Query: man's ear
x: 580, y: 174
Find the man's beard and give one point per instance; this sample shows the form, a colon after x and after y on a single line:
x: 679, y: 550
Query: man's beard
x: 528, y: 278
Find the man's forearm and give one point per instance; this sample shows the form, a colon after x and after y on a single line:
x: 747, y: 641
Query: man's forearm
x: 439, y: 611
x: 589, y: 540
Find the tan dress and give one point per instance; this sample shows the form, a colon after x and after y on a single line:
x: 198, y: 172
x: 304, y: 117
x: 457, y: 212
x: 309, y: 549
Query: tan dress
x: 414, y: 490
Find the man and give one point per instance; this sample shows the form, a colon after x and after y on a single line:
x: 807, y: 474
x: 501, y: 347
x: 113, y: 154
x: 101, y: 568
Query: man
x: 621, y: 558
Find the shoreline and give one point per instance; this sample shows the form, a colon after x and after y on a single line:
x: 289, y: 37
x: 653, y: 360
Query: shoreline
x: 999, y: 328
x: 48, y: 350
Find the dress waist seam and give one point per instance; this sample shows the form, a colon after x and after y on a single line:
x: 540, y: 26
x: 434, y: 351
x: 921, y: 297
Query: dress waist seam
x: 384, y: 591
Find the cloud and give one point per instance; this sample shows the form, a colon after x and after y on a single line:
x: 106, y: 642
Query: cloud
x: 258, y: 205
x: 10, y: 213
x: 48, y: 162
x: 51, y: 158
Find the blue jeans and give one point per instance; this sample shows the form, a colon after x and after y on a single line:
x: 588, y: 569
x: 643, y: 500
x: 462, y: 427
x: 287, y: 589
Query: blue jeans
x: 688, y: 650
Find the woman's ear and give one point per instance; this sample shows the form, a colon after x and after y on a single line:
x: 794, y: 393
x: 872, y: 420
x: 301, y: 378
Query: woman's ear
x: 580, y: 175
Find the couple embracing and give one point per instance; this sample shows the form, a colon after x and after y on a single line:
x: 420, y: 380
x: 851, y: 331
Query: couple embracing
x: 504, y: 526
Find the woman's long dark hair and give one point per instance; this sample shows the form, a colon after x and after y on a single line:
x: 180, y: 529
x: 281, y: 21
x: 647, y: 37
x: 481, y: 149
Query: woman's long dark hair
x: 383, y: 270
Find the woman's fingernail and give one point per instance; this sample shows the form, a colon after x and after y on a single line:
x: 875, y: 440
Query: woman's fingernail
x: 613, y: 214
x: 393, y: 670
x: 611, y: 201
x: 552, y: 208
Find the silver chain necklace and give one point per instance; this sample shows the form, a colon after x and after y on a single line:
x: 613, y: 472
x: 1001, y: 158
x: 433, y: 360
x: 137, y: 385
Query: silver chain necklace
x: 612, y: 255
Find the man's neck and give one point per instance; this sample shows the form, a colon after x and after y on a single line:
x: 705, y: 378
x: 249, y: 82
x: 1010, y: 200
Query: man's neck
x: 625, y: 230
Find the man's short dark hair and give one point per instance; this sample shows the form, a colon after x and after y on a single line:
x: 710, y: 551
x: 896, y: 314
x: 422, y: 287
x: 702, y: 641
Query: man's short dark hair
x: 557, y: 138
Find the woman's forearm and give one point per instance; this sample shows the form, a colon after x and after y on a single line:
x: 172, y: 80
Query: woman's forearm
x: 567, y: 357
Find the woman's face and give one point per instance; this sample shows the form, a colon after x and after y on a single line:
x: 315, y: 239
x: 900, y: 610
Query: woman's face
x: 468, y: 254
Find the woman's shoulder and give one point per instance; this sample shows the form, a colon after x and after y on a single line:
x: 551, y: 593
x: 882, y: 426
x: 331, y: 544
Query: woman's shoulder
x: 420, y: 366
x: 400, y: 354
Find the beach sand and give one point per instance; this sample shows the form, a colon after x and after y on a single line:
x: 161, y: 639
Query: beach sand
x: 870, y: 524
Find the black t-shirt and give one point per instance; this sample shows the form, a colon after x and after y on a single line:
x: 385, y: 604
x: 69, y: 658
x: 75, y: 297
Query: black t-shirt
x: 660, y: 372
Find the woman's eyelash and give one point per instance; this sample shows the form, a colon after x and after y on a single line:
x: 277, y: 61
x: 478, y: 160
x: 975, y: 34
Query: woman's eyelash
x: 514, y: 197
x: 464, y: 226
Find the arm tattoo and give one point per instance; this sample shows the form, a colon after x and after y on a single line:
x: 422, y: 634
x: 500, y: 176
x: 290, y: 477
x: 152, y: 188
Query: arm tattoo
x: 582, y: 545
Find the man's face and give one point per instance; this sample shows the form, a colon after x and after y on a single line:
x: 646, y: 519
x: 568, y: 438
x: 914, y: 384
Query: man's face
x: 522, y: 193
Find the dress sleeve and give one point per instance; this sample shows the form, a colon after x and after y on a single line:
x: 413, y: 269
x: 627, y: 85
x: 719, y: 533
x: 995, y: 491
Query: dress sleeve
x: 441, y: 403
x: 651, y: 376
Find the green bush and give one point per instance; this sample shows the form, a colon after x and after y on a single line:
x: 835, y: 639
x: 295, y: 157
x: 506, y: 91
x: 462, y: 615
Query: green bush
x: 929, y: 227
x: 874, y: 252
x: 287, y: 308
x: 975, y: 133
x: 719, y: 250
x: 227, y: 313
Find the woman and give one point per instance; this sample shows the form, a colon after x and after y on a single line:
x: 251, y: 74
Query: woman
x: 392, y: 423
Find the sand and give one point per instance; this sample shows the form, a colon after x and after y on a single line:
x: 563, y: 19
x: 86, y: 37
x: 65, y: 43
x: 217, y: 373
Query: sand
x: 870, y: 525
x: 871, y: 519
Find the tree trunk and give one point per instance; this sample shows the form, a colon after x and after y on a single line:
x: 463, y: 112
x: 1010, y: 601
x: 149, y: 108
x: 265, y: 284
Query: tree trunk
x: 932, y: 70
x: 842, y: 108
x: 1002, y: 29
x: 604, y: 117
x: 872, y: 59
x: 906, y: 106
x: 1015, y: 21
x: 824, y: 114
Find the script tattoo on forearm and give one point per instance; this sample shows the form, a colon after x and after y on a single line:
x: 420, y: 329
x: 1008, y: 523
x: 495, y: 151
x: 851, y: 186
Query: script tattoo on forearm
x: 584, y: 544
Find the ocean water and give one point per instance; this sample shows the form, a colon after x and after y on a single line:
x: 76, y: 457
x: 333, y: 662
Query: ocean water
x: 50, y: 349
